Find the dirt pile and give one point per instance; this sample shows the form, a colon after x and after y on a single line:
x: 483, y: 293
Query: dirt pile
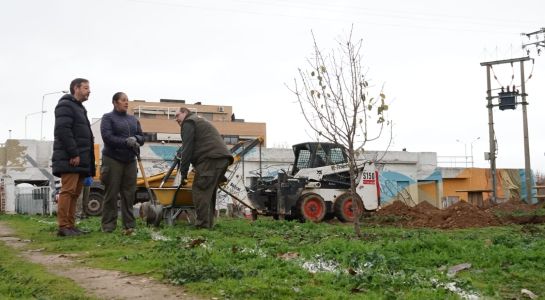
x: 397, y: 208
x: 426, y: 208
x: 511, y: 206
x: 458, y: 215
x: 464, y: 215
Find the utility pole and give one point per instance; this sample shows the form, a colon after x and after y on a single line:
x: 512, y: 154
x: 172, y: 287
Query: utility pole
x: 491, y: 134
x: 538, y: 43
x: 507, y: 100
x: 527, y: 169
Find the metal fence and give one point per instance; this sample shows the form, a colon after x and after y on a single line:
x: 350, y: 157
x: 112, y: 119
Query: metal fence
x: 33, y: 200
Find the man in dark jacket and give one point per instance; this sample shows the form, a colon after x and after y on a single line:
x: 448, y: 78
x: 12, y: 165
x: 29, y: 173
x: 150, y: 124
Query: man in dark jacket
x: 204, y: 148
x: 122, y: 136
x: 73, y: 153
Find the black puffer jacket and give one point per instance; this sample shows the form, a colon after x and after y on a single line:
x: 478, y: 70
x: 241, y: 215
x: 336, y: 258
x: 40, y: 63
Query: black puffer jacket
x: 73, y: 137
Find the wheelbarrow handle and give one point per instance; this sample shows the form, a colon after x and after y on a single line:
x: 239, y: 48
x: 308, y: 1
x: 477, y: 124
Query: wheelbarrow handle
x: 169, y: 172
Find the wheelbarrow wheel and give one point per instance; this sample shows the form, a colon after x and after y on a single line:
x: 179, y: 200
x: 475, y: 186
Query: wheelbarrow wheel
x: 169, y: 216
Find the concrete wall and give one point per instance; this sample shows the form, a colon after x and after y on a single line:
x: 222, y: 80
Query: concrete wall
x: 510, y: 183
x: 25, y: 161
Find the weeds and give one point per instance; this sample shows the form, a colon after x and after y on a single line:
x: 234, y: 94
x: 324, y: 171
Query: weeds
x: 269, y: 259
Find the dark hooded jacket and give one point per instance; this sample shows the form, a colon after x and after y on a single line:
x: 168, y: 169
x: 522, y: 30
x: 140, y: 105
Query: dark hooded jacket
x: 73, y: 137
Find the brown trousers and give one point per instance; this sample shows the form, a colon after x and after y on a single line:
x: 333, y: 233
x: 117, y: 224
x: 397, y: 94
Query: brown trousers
x: 207, y: 176
x: 71, y: 186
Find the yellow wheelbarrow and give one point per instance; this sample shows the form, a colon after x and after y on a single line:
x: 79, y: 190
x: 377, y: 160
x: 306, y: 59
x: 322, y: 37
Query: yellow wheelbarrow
x: 174, y: 201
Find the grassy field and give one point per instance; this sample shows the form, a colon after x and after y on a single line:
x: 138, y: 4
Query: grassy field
x: 270, y: 259
x: 22, y: 280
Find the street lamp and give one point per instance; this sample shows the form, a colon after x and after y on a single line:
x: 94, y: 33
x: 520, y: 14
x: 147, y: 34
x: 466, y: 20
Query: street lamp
x: 474, y: 140
x: 30, y: 114
x: 43, y: 111
x: 465, y: 150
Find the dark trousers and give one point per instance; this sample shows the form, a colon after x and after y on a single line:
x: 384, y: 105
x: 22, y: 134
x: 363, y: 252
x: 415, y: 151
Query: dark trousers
x: 119, y: 179
x: 71, y: 185
x: 207, y: 176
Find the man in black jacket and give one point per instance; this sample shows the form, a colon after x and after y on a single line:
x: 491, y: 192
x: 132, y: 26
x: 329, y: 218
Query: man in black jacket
x: 204, y: 148
x: 73, y: 153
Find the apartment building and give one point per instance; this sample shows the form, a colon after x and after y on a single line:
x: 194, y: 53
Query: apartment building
x: 159, y: 123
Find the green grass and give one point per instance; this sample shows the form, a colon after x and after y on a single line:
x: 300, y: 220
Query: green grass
x: 240, y: 259
x: 23, y: 280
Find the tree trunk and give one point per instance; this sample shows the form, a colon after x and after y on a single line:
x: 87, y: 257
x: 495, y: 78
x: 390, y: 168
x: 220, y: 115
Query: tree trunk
x: 353, y: 182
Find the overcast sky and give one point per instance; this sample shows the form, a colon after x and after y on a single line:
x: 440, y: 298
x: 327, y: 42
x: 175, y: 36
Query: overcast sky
x: 242, y: 53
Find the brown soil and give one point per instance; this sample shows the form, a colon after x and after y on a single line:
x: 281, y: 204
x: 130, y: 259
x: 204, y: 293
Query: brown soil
x: 511, y: 206
x: 459, y: 215
x: 103, y: 284
x: 397, y: 208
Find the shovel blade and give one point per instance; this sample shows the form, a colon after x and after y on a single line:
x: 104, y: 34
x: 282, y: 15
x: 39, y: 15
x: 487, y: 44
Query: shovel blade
x: 151, y: 213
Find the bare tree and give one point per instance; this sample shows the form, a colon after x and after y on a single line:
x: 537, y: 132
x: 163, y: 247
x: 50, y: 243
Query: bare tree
x: 333, y: 94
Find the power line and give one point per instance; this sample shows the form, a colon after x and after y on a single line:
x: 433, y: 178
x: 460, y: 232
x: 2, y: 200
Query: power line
x: 396, y: 16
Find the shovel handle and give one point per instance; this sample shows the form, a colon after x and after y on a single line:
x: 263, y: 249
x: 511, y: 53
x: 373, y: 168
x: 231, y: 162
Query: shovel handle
x: 137, y: 152
x: 146, y: 183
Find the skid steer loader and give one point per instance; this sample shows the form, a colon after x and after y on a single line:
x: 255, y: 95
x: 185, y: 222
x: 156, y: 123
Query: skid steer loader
x: 315, y: 189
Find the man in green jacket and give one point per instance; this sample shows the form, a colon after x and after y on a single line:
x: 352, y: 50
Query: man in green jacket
x: 204, y: 148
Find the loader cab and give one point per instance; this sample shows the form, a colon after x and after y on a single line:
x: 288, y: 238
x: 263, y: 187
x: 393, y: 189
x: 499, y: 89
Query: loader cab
x: 316, y: 154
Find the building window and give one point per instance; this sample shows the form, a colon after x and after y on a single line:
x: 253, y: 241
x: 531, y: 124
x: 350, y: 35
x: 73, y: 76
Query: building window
x: 207, y: 116
x: 230, y: 139
x: 147, y: 116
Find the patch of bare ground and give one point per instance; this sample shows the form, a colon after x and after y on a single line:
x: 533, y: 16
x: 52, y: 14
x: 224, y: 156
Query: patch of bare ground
x: 104, y: 284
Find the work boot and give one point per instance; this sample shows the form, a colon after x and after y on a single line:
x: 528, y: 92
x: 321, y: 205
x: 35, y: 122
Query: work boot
x: 129, y: 231
x: 67, y: 232
x: 79, y: 231
x: 107, y: 230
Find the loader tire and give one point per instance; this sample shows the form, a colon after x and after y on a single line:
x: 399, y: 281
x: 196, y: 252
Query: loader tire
x: 311, y: 207
x: 94, y: 205
x: 343, y: 207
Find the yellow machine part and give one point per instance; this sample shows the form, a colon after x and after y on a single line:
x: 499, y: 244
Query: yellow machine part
x: 155, y: 180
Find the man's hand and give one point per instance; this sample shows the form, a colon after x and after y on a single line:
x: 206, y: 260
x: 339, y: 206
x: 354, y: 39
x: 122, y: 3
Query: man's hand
x: 179, y: 153
x: 132, y: 143
x: 88, y: 181
x: 74, y: 161
x: 183, y: 180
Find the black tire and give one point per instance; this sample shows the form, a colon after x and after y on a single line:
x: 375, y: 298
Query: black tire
x: 94, y: 205
x: 311, y: 207
x: 343, y: 207
x: 329, y: 216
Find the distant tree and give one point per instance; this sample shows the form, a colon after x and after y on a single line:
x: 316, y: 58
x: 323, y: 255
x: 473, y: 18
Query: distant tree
x: 333, y: 94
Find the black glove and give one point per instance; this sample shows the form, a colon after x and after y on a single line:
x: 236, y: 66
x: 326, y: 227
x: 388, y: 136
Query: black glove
x: 183, y: 180
x: 132, y: 143
x: 179, y: 153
